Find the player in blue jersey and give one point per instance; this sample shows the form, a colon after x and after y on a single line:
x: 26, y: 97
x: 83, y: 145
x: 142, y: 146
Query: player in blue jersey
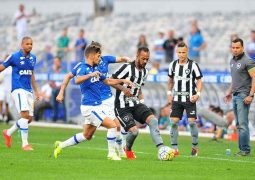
x: 91, y: 104
x: 113, y: 135
x: 23, y: 78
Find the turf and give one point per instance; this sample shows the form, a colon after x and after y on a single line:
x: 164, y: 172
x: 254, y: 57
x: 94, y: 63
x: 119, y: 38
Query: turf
x: 88, y: 160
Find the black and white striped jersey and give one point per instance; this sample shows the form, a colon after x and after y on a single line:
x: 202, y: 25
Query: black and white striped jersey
x: 129, y: 71
x: 184, y: 76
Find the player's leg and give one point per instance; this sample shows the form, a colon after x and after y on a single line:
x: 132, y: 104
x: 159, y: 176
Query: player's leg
x: 192, y: 117
x: 6, y: 112
x: 2, y: 94
x: 126, y: 119
x: 1, y: 111
x: 176, y: 115
x: 22, y: 105
x: 143, y: 114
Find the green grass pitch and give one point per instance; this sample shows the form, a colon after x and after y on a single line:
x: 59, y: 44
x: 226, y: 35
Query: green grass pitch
x: 88, y: 159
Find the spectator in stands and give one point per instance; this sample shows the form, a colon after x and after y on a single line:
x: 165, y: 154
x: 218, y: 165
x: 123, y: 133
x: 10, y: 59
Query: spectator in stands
x: 159, y: 53
x: 5, y: 93
x: 55, y: 85
x: 179, y: 40
x: 45, y: 101
x: 47, y: 57
x: 250, y: 48
x: 169, y: 46
x: 196, y: 43
x: 62, y: 45
x: 80, y: 46
x: 164, y: 118
x: 142, y: 41
x: 21, y: 22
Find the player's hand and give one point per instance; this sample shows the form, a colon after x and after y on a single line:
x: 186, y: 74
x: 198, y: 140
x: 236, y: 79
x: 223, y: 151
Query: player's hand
x: 248, y: 100
x: 60, y: 98
x: 129, y: 83
x: 194, y: 98
x: 127, y: 92
x: 96, y: 73
x: 128, y: 60
x: 228, y: 98
x: 170, y: 100
x: 37, y: 96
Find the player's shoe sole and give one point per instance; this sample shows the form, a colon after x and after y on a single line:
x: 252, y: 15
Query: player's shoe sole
x: 113, y: 157
x: 57, y: 150
x: 7, y: 139
x: 27, y: 148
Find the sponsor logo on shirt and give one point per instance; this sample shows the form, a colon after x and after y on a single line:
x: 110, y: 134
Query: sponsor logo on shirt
x: 25, y: 72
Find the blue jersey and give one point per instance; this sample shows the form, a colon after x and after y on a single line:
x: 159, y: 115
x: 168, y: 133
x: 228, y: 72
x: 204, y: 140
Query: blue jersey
x: 103, y: 68
x: 91, y: 88
x: 22, y: 70
x: 76, y: 67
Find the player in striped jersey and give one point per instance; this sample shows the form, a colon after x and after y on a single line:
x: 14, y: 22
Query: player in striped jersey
x: 184, y: 88
x: 129, y: 101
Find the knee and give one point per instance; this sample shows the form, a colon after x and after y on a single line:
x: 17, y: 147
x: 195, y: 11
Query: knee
x: 174, y: 124
x: 192, y: 123
x: 88, y: 135
x: 134, y: 130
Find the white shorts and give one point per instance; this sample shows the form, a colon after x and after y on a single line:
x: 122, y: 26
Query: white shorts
x: 94, y: 115
x: 24, y: 101
x: 108, y: 107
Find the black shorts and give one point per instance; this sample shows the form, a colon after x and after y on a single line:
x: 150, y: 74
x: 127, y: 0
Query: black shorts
x: 128, y: 115
x: 178, y: 108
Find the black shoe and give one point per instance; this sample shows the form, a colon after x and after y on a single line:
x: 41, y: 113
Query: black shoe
x: 243, y: 153
x: 194, y: 152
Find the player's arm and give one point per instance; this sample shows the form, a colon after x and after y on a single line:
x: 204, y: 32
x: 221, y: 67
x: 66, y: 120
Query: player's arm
x: 81, y: 79
x: 249, y: 98
x: 110, y: 81
x: 170, y: 86
x: 2, y: 67
x: 33, y: 83
x: 61, y: 93
x: 141, y: 96
x: 123, y: 59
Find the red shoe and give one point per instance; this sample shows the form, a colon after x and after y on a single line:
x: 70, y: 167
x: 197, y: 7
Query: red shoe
x: 27, y: 148
x: 130, y: 155
x: 7, y: 139
x: 176, y: 152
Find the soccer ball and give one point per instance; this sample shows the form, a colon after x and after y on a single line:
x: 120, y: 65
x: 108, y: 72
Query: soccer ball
x: 165, y: 153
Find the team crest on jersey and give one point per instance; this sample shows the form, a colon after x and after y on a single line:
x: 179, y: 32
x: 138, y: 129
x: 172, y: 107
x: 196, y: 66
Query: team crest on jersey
x: 22, y: 62
x: 187, y: 71
x: 238, y: 65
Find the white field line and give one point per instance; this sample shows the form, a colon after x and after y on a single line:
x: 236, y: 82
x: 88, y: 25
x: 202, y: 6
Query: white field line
x: 145, y: 131
x: 139, y: 152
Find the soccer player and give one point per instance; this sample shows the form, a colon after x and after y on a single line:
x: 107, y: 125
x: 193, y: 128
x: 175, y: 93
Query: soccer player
x: 113, y: 135
x: 91, y: 104
x: 184, y: 88
x: 22, y: 63
x: 130, y: 108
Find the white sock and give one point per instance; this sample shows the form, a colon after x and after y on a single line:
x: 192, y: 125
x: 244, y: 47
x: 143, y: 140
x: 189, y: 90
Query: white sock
x: 23, y: 124
x: 123, y: 137
x: 111, y: 139
x: 12, y: 129
x: 76, y: 139
x: 119, y: 142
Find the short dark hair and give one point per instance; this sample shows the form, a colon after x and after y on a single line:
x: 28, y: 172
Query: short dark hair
x: 182, y: 44
x: 236, y: 40
x: 142, y: 48
x: 92, y: 49
x: 25, y: 38
x: 252, y: 31
x: 94, y: 43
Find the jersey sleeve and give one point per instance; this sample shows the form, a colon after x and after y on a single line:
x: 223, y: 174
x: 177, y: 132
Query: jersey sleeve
x: 122, y: 72
x: 109, y: 59
x: 75, y: 69
x: 196, y: 71
x: 250, y: 64
x: 102, y: 78
x: 8, y: 62
x: 81, y: 71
